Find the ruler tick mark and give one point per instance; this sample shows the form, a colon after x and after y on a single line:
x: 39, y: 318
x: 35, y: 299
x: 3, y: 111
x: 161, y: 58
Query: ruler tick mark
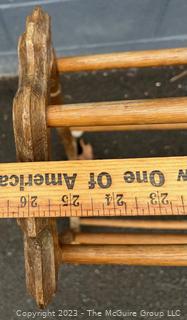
x: 81, y: 210
x: 113, y: 198
x: 8, y: 207
x: 137, y: 209
x: 182, y: 200
x: 125, y: 207
x: 70, y: 208
x: 103, y: 206
x: 92, y: 206
x: 49, y: 207
x: 171, y: 206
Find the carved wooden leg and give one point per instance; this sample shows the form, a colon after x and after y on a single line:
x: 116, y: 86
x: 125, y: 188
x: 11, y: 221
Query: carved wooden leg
x: 32, y: 144
x: 41, y: 258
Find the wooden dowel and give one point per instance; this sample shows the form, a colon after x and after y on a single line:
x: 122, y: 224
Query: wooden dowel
x: 169, y: 126
x: 130, y: 238
x: 132, y: 59
x: 156, y: 255
x: 135, y: 223
x: 129, y: 112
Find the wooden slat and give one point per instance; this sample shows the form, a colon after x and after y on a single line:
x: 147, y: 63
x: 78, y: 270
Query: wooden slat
x: 149, y: 58
x: 155, y: 255
x: 127, y: 112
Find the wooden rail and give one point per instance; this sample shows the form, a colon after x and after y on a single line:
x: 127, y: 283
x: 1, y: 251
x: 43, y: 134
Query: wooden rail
x: 129, y: 112
x: 161, y: 126
x: 135, y: 223
x: 129, y: 238
x: 155, y: 255
x: 149, y: 58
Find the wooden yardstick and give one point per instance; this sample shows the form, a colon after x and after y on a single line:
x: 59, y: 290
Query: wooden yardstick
x: 148, y: 186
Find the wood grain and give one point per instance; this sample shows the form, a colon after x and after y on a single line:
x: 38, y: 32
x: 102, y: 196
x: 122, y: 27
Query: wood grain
x: 135, y: 223
x: 29, y: 107
x: 139, y: 127
x: 154, y: 255
x: 125, y: 238
x: 32, y: 144
x: 116, y: 60
x: 127, y: 187
x: 127, y: 112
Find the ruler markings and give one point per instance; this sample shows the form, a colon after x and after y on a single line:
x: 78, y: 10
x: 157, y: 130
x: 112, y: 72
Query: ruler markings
x: 155, y: 186
x: 65, y: 212
x: 103, y: 207
x: 81, y: 210
x: 159, y: 204
x: 171, y: 206
x: 182, y: 200
x: 70, y: 206
x: 178, y: 210
x: 92, y: 206
x: 113, y: 198
x: 136, y: 203
x: 125, y: 207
